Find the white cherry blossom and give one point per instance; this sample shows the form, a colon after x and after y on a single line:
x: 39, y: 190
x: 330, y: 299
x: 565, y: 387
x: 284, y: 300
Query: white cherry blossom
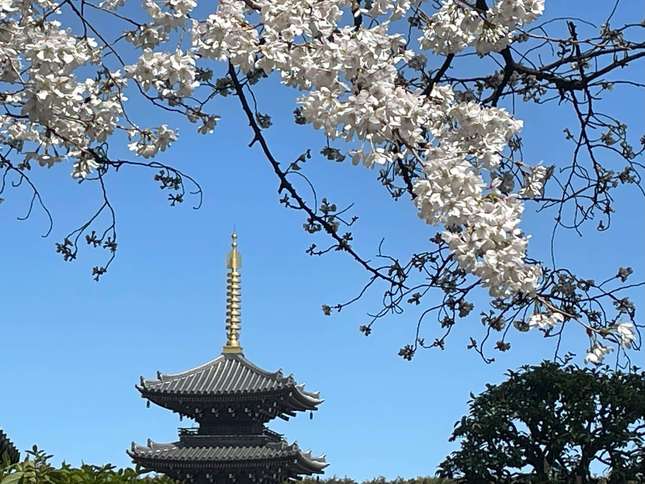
x: 545, y: 321
x: 227, y: 35
x: 451, y: 29
x: 596, y: 354
x: 169, y: 74
x: 626, y: 334
x: 149, y: 142
x: 534, y: 180
x: 456, y: 25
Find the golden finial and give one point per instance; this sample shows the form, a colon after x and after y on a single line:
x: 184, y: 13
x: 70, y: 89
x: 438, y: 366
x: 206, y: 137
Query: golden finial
x: 233, y: 299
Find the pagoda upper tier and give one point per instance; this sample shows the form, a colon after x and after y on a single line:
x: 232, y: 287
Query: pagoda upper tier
x: 230, y: 386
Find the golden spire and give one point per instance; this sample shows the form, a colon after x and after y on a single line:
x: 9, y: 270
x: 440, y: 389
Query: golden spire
x: 233, y: 299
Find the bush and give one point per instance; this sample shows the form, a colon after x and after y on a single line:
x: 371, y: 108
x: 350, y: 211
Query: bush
x: 36, y: 469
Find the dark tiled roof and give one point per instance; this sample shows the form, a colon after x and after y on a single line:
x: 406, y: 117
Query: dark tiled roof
x: 227, y: 374
x: 7, y: 448
x: 222, y: 455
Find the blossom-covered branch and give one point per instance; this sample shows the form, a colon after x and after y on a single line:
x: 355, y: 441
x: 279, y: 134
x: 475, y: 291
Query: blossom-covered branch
x: 383, y: 82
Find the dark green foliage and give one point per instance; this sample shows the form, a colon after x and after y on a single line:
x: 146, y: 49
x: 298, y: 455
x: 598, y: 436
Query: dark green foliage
x: 549, y: 423
x: 8, y: 452
x: 36, y: 469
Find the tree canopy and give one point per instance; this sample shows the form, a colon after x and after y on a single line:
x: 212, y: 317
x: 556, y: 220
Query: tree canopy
x: 549, y: 423
x: 422, y: 92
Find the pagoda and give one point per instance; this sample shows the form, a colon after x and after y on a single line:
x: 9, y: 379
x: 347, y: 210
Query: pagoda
x: 232, y: 400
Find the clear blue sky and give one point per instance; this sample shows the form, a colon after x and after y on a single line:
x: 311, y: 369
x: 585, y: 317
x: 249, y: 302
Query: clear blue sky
x: 72, y: 349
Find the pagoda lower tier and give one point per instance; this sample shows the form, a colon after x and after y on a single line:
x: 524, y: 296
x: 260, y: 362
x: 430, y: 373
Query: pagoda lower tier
x: 205, y: 459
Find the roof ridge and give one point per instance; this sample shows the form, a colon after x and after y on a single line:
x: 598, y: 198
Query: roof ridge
x: 197, y: 368
x: 230, y: 374
x: 278, y: 374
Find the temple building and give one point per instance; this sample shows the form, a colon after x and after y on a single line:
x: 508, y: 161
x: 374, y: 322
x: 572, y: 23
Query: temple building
x: 232, y: 400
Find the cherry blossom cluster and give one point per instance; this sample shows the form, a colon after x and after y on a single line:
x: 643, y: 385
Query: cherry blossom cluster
x: 226, y: 35
x: 626, y: 334
x: 52, y: 114
x: 165, y: 16
x: 597, y: 353
x: 170, y: 74
x: 545, y: 321
x: 481, y: 223
x: 351, y: 90
x: 623, y: 333
x: 534, y: 179
x: 149, y: 142
x: 394, y: 8
x: 66, y: 103
x: 457, y: 25
x: 349, y: 80
x: 376, y: 113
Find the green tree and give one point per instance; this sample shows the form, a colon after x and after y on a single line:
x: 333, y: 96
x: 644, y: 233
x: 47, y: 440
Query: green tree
x: 550, y: 423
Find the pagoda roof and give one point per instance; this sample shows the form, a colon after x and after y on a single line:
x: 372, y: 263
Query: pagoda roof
x: 8, y: 448
x: 230, y: 374
x: 225, y: 456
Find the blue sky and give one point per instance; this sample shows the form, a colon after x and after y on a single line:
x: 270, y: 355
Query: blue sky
x: 72, y: 349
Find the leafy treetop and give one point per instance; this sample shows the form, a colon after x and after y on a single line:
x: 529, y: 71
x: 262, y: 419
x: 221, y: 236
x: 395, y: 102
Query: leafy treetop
x: 549, y: 423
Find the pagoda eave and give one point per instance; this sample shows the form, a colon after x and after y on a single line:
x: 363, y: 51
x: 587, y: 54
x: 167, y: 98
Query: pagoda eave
x: 269, y: 404
x: 174, y: 459
x: 227, y: 378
